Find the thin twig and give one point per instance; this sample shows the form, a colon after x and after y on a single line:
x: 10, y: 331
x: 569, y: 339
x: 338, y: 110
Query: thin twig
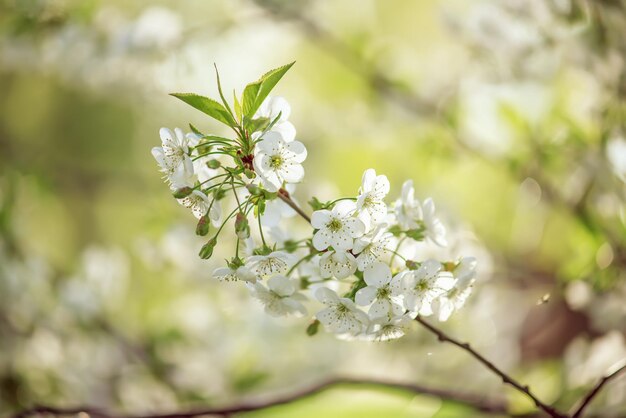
x: 596, y: 389
x: 478, y: 403
x: 284, y: 196
x: 505, y: 377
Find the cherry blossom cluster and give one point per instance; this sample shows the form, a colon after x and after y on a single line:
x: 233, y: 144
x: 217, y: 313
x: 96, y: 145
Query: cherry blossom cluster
x: 350, y: 263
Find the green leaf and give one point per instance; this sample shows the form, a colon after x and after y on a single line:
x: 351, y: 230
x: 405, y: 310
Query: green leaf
x: 254, y: 125
x: 250, y: 94
x: 256, y: 92
x: 195, y: 130
x: 316, y: 204
x: 219, y: 89
x: 208, y: 106
x: 237, y: 106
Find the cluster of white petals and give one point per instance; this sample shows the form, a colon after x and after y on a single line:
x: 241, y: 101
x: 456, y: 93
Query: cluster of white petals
x: 183, y: 168
x: 353, y: 263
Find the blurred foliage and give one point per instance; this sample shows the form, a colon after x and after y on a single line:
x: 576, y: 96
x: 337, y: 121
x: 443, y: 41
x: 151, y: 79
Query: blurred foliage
x: 510, y: 114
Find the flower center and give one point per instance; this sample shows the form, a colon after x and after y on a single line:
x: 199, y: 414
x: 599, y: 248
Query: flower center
x: 334, y: 225
x: 341, y: 308
x: 383, y: 293
x: 276, y: 161
x: 422, y: 285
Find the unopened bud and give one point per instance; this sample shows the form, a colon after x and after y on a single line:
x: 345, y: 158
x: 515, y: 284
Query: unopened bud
x: 203, y: 226
x: 313, y: 327
x: 290, y: 246
x: 412, y: 265
x: 214, y: 164
x: 254, y: 189
x: 242, y: 228
x: 207, y: 249
x: 182, y: 192
x: 249, y: 173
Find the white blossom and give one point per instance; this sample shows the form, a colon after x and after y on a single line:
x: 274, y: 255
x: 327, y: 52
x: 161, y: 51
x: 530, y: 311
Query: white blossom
x: 273, y: 106
x: 311, y: 273
x: 387, y: 328
x: 434, y: 228
x: 382, y: 292
x: 371, y: 247
x: 341, y: 315
x: 173, y: 158
x: 199, y: 204
x: 277, y: 262
x: 280, y: 297
x: 336, y: 227
x: 277, y: 161
x: 370, y: 203
x: 227, y: 274
x: 339, y: 264
x: 407, y: 209
x: 410, y: 214
x: 422, y: 286
x: 276, y: 210
x: 455, y: 298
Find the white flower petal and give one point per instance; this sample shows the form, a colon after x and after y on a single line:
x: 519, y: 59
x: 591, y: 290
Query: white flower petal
x: 378, y: 274
x: 320, y: 218
x: 326, y: 296
x: 365, y: 296
x: 380, y: 308
x: 292, y: 173
x: 298, y: 151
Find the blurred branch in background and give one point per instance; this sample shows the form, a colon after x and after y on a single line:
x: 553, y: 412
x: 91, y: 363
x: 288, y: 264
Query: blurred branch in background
x: 477, y: 402
x: 171, y: 340
x: 393, y: 91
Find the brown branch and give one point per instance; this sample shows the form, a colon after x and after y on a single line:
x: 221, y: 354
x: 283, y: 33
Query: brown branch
x: 505, y: 377
x: 478, y: 403
x: 596, y: 389
x: 284, y: 196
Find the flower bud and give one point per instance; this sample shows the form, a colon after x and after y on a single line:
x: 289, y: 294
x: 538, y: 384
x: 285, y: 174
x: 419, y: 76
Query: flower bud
x: 203, y: 226
x: 313, y: 327
x: 182, y: 192
x: 213, y: 164
x: 207, y: 249
x: 254, y: 189
x: 242, y: 228
x: 290, y: 246
x: 412, y: 265
x: 249, y: 173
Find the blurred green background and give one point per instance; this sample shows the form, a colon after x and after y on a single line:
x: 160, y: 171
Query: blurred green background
x: 510, y: 114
